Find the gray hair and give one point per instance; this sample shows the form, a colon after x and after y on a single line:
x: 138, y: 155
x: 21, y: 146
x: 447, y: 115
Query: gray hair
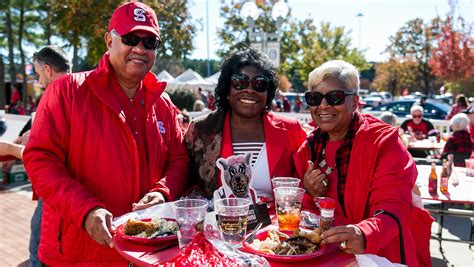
x: 341, y: 71
x: 389, y: 118
x: 459, y: 121
x: 416, y: 108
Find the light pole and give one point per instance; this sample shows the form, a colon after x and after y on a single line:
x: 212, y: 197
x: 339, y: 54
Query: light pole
x: 360, y: 15
x: 261, y: 39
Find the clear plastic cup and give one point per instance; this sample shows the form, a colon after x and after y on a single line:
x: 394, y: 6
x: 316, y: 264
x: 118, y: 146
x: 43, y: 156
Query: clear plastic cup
x: 288, y: 202
x: 189, y: 213
x: 232, y: 219
x: 285, y: 182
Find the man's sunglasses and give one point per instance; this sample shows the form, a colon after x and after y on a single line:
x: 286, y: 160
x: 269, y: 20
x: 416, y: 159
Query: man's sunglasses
x: 416, y: 116
x: 334, y: 98
x: 150, y: 43
x: 241, y: 81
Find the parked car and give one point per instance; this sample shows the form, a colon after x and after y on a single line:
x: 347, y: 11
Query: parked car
x: 372, y: 101
x: 431, y: 109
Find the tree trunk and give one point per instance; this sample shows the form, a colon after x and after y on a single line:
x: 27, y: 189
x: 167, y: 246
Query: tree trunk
x: 3, y: 96
x: 22, y: 54
x: 48, y: 30
x: 75, y: 58
x: 9, y: 30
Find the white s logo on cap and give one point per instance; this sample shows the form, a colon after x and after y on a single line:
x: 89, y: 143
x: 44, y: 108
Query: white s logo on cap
x: 139, y: 14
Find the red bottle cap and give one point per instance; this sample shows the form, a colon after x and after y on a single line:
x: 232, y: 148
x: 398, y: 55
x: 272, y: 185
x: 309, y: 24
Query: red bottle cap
x: 327, y: 203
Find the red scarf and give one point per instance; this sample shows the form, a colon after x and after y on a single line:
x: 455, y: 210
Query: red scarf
x: 317, y: 143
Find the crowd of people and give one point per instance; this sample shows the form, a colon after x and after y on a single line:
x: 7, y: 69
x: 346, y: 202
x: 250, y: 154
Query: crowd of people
x: 110, y: 141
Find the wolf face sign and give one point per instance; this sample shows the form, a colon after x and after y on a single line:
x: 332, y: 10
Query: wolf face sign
x: 236, y: 173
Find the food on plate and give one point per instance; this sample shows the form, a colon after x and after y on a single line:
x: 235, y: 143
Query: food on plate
x: 302, y: 242
x: 149, y: 229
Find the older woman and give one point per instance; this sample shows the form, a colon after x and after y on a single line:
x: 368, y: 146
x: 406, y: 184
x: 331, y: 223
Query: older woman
x: 242, y: 123
x: 361, y: 163
x: 459, y: 144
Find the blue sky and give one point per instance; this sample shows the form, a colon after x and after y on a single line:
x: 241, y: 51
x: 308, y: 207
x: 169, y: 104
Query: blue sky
x: 382, y: 18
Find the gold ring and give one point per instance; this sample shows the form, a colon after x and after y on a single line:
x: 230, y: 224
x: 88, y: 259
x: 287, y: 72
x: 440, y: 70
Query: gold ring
x: 325, y: 183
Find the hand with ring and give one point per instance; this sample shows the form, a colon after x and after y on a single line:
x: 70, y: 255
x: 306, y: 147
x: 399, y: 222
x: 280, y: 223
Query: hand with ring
x: 315, y: 182
x: 350, y: 238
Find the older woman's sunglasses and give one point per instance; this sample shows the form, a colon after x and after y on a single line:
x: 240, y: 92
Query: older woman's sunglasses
x: 334, y: 98
x: 150, y: 43
x: 241, y: 81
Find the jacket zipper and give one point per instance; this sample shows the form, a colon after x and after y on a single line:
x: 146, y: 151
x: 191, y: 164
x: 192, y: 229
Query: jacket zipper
x: 60, y: 236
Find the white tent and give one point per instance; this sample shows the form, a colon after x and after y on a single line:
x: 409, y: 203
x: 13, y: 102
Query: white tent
x: 190, y: 77
x: 165, y: 76
x: 213, y: 78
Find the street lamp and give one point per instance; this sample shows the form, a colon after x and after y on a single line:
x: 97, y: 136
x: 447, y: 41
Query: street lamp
x: 261, y: 39
x: 360, y: 15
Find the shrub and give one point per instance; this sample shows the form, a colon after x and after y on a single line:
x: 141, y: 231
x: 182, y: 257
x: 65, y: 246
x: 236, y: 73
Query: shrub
x: 183, y: 98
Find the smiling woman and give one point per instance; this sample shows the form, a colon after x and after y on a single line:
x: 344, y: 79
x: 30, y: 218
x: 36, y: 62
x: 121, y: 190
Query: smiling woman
x: 373, y: 172
x: 243, y: 124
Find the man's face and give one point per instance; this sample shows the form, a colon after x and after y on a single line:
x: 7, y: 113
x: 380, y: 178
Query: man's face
x: 44, y: 73
x: 130, y: 63
x: 417, y: 116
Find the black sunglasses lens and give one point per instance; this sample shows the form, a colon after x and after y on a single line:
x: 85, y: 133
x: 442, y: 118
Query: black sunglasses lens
x: 335, y: 98
x: 313, y: 98
x: 130, y: 39
x: 150, y: 43
x: 260, y: 83
x: 240, y: 81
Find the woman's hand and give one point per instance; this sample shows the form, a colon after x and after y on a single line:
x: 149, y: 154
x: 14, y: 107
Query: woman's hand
x: 150, y: 199
x: 315, y: 182
x: 350, y: 238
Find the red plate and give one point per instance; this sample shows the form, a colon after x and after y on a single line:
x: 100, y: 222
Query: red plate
x: 144, y: 240
x: 262, y: 235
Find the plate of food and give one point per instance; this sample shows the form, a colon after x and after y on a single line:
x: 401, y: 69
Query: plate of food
x: 286, y: 246
x: 148, y: 231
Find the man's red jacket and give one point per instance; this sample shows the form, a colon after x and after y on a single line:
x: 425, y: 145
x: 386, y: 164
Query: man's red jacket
x: 81, y: 154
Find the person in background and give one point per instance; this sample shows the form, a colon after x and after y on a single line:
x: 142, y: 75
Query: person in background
x: 470, y: 114
x: 243, y: 123
x: 104, y: 143
x: 417, y: 125
x: 459, y: 143
x: 389, y: 118
x: 361, y: 163
x: 460, y: 105
x: 211, y: 101
x: 199, y: 106
x: 298, y: 103
x: 51, y: 63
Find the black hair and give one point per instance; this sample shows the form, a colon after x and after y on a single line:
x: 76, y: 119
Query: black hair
x: 53, y: 56
x: 234, y: 63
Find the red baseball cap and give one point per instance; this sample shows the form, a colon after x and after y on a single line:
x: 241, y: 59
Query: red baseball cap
x: 133, y: 16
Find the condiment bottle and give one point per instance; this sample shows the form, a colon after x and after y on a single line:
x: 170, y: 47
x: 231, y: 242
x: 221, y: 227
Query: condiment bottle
x: 327, y: 206
x: 433, y: 180
x: 444, y: 177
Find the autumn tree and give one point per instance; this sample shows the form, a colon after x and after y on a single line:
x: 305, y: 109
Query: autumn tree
x: 416, y: 40
x: 453, y: 57
x: 395, y: 76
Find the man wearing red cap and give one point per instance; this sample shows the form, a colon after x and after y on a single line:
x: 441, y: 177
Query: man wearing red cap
x: 104, y: 143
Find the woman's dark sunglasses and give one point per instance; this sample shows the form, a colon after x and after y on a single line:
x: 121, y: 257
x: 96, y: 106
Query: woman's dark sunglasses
x: 241, y: 81
x: 334, y: 98
x: 150, y: 43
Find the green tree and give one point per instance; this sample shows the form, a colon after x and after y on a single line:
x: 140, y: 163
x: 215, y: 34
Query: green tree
x: 302, y: 47
x: 416, y: 40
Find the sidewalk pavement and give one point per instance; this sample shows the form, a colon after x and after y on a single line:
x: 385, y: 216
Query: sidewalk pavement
x: 16, y: 209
